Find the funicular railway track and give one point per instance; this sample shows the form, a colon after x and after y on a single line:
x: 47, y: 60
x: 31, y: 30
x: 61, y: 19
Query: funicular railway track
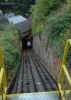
x: 33, y: 76
x: 47, y: 80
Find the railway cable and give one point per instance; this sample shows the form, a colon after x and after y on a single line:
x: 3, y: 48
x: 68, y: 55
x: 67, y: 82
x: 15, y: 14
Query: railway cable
x: 42, y: 80
x: 33, y: 76
x: 21, y: 89
x: 47, y: 77
x: 35, y: 87
x: 25, y: 83
x: 46, y: 70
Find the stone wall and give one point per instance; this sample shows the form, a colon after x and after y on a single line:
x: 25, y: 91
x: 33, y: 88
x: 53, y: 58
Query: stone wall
x: 52, y: 62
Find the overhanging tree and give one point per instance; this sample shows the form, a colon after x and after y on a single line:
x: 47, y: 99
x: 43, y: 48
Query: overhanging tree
x: 22, y: 7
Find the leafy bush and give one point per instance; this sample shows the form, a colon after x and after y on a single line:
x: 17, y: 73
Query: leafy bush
x: 40, y: 12
x: 53, y: 17
x: 9, y: 43
x: 58, y: 25
x: 68, y: 6
x: 58, y: 31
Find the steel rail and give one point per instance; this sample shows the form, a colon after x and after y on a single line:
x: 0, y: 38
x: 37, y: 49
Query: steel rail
x: 46, y: 76
x: 35, y: 87
x: 47, y: 70
x: 42, y: 80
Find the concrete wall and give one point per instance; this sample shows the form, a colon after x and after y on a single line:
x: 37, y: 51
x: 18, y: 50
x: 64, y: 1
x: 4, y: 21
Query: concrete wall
x: 46, y: 54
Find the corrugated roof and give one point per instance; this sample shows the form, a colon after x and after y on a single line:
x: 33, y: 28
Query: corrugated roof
x: 3, y: 20
x: 24, y: 25
x: 16, y: 19
x: 7, y: 3
x: 20, y: 22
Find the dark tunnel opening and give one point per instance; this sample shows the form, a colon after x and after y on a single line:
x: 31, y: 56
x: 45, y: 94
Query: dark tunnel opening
x: 27, y: 42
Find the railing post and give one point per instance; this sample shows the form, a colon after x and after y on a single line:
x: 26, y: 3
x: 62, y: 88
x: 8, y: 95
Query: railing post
x: 64, y: 71
x: 3, y: 82
x: 68, y: 43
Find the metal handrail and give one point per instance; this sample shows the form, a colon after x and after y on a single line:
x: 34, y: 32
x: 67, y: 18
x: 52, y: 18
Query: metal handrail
x: 64, y: 79
x: 3, y: 82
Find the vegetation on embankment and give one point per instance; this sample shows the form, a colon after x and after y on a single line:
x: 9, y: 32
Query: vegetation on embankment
x: 9, y: 42
x: 53, y: 16
x: 22, y: 6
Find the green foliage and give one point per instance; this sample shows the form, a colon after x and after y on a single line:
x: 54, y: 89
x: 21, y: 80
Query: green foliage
x: 58, y: 29
x: 22, y: 7
x: 9, y: 43
x: 69, y: 57
x: 68, y: 6
x: 58, y: 25
x: 53, y: 17
x: 67, y: 35
x: 41, y: 10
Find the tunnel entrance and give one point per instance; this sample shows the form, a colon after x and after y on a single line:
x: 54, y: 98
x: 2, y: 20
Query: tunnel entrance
x: 27, y: 41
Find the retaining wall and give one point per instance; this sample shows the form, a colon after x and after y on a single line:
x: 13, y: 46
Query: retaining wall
x: 52, y: 62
